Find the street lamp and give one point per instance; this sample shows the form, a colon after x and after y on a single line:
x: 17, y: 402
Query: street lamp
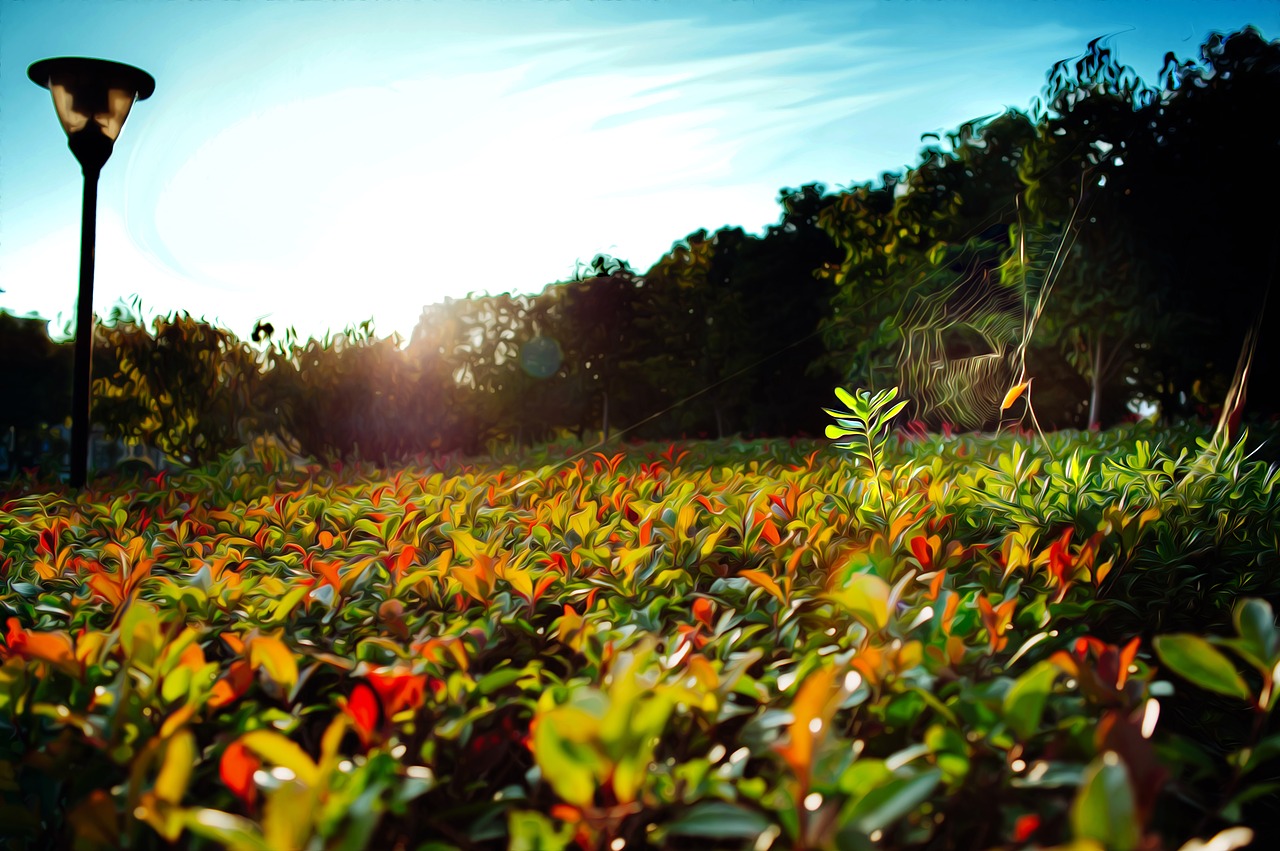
x: 93, y: 98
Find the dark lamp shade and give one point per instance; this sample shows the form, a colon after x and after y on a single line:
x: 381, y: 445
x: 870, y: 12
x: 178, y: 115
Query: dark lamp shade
x: 92, y: 91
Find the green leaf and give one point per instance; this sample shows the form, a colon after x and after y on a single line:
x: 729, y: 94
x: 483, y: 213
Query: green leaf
x: 718, y: 819
x: 1024, y: 704
x: 1256, y: 624
x: 565, y: 751
x: 866, y: 597
x: 234, y: 832
x: 498, y: 679
x: 532, y: 831
x: 1265, y: 751
x: 1196, y: 660
x: 893, y: 412
x: 1104, y: 809
x: 890, y: 802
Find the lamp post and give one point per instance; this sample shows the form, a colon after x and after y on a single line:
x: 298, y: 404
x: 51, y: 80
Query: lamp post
x: 93, y: 98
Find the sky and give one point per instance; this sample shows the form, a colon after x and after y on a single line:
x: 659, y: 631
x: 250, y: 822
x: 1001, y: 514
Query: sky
x: 317, y: 163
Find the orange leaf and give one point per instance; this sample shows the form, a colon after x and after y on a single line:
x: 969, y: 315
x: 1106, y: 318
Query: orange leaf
x: 540, y: 587
x: 935, y: 584
x: 54, y: 647
x: 766, y: 582
x: 812, y: 709
x: 996, y: 619
x: 770, y: 532
x: 232, y: 684
x: 1014, y: 392
x: 1127, y: 655
x: 949, y: 612
x: 236, y: 768
x: 702, y: 611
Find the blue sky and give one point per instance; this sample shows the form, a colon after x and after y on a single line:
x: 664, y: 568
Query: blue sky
x: 321, y: 162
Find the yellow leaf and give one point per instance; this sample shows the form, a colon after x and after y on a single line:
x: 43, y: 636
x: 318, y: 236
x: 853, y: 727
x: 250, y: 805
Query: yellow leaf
x: 279, y: 750
x: 464, y: 544
x: 179, y: 758
x: 274, y: 656
x: 570, y: 629
x: 288, y: 818
x: 519, y: 579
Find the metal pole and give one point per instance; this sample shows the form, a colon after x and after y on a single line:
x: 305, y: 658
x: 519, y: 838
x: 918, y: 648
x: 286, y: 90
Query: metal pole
x: 80, y: 423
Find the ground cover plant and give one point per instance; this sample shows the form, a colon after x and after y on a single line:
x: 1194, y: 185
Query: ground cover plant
x: 899, y: 640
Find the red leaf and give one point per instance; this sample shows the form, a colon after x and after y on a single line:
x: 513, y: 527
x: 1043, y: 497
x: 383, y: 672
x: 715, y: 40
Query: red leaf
x: 364, y: 709
x: 920, y: 548
x: 1025, y: 827
x: 397, y: 690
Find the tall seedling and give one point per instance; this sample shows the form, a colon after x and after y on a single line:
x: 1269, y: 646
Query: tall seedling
x: 864, y: 429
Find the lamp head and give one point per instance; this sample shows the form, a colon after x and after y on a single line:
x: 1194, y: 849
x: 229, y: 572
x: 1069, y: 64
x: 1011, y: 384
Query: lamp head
x: 93, y: 98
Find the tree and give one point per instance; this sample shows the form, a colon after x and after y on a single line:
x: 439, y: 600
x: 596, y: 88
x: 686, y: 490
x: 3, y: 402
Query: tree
x: 186, y: 387
x: 35, y: 387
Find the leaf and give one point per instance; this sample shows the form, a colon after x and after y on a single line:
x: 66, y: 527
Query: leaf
x: 886, y: 804
x: 718, y: 820
x: 1197, y: 661
x: 180, y: 757
x: 1024, y: 703
x: 766, y: 582
x: 365, y: 710
x: 1230, y: 839
x: 281, y: 751
x: 499, y: 679
x: 563, y: 750
x: 1012, y: 396
x: 531, y: 829
x: 287, y: 820
x: 54, y: 647
x: 234, y: 832
x: 1256, y: 624
x: 236, y: 768
x: 1104, y: 808
x: 866, y: 597
x: 274, y: 656
x: 811, y: 711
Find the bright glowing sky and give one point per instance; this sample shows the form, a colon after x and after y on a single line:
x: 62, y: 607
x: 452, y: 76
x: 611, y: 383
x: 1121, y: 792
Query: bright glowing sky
x: 319, y: 162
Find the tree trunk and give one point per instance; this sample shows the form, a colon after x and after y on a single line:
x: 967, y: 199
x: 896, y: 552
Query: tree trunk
x: 604, y: 424
x: 1095, y: 392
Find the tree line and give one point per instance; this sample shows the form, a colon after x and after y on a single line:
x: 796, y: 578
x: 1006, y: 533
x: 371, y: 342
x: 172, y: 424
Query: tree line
x: 1115, y: 243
